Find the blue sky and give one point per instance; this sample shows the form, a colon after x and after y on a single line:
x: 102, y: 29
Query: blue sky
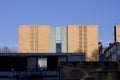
x: 104, y: 13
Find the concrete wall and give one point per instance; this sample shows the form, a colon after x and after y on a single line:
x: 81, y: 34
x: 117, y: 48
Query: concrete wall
x: 73, y: 39
x: 52, y: 39
x: 64, y: 39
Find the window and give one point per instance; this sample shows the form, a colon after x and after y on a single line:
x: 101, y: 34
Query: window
x: 58, y: 39
x: 42, y: 63
x: 58, y: 34
x: 58, y: 47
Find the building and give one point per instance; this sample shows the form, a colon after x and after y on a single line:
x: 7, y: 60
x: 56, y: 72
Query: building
x: 34, y: 39
x: 37, y: 66
x: 83, y: 38
x: 117, y: 33
x: 63, y: 39
x: 112, y: 53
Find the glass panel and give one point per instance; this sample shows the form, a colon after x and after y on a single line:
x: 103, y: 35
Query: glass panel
x: 58, y: 34
x: 58, y: 47
x: 42, y: 63
x: 31, y: 63
x: 58, y: 39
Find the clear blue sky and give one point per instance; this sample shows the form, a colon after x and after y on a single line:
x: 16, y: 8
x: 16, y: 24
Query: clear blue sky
x: 104, y: 13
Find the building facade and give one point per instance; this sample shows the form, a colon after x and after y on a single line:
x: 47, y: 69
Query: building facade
x: 112, y: 53
x: 117, y: 33
x: 63, y: 39
x: 83, y: 38
x: 34, y: 39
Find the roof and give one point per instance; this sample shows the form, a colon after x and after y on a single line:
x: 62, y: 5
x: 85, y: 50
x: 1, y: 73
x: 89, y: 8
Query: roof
x: 108, y: 48
x: 41, y: 54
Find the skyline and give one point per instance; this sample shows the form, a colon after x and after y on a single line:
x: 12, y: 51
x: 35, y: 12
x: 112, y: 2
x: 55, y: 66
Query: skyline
x: 14, y: 13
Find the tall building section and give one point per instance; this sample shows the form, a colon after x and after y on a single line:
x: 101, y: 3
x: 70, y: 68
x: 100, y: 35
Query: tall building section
x: 83, y: 38
x: 117, y: 33
x: 92, y: 40
x: 24, y: 39
x: 64, y: 39
x: 42, y: 39
x: 33, y: 39
x: 53, y: 39
x: 60, y: 39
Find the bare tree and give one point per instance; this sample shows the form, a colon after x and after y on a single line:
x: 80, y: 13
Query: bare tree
x: 0, y: 50
x: 7, y: 49
x: 89, y: 59
x: 79, y: 50
x: 95, y: 55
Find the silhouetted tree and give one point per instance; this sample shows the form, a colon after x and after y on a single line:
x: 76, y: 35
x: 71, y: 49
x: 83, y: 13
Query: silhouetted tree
x: 79, y: 51
x: 89, y: 59
x: 0, y: 50
x: 6, y: 49
x: 95, y: 55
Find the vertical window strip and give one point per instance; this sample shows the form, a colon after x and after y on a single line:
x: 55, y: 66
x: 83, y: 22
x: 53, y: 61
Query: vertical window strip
x: 85, y: 38
x: 36, y: 39
x: 32, y: 39
x: 80, y: 38
x: 58, y: 39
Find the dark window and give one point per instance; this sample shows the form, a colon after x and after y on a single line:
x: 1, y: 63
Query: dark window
x: 58, y: 47
x: 52, y: 63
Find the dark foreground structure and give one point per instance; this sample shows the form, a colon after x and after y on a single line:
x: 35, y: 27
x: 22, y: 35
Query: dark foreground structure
x: 37, y: 66
x: 89, y: 71
x: 112, y: 53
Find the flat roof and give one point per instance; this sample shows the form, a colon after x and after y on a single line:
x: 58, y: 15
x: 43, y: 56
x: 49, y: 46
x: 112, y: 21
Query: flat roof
x: 41, y: 54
